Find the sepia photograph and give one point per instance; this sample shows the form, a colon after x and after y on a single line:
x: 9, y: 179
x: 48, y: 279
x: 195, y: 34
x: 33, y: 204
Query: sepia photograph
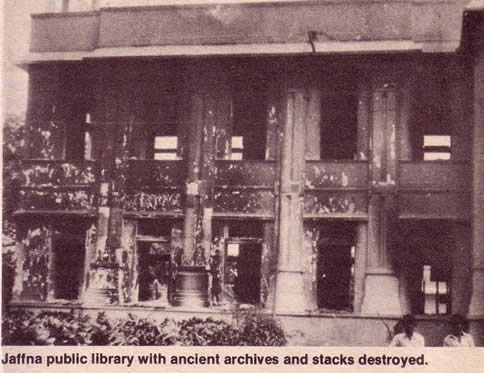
x: 243, y: 173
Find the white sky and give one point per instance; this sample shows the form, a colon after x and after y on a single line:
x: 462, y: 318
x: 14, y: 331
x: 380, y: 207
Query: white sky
x: 16, y: 37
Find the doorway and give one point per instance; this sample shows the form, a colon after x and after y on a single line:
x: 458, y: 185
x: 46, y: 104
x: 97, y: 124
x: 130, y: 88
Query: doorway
x: 154, y: 271
x: 334, y: 276
x: 242, y: 270
x: 68, y: 264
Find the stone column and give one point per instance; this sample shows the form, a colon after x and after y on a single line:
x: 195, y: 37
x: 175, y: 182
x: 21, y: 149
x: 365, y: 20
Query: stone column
x: 364, y: 122
x: 360, y: 265
x: 209, y: 125
x: 194, y: 124
x: 290, y: 280
x: 363, y: 143
x: 381, y: 284
x: 111, y: 105
x: 404, y: 117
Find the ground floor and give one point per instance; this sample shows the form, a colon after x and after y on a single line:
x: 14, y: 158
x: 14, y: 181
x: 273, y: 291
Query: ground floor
x: 335, y: 296
x: 311, y: 329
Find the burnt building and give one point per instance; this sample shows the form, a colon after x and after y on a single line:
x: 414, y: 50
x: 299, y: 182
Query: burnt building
x: 330, y: 151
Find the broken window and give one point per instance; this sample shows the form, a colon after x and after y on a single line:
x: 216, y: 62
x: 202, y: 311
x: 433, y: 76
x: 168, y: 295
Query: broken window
x: 68, y: 253
x: 248, y: 139
x: 165, y: 148
x: 78, y: 137
x: 339, y: 124
x: 237, y: 148
x: 335, y: 266
x: 242, y: 270
x: 425, y: 255
x: 154, y: 261
x: 331, y: 118
x: 430, y: 123
x: 162, y: 127
x: 435, y: 289
x: 436, y: 147
x: 242, y: 261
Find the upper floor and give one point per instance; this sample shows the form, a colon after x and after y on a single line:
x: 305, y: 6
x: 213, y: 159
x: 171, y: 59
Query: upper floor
x: 149, y: 134
x: 78, y: 29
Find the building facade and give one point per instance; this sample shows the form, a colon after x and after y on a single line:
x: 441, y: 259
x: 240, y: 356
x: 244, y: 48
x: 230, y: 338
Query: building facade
x: 321, y: 160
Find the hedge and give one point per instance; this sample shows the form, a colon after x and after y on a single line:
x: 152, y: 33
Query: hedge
x: 249, y: 328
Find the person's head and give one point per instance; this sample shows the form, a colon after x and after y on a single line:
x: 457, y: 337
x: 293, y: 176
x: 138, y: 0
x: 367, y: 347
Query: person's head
x: 408, y: 324
x: 458, y: 323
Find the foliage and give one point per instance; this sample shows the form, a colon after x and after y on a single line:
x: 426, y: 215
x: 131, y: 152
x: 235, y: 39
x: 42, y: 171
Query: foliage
x: 259, y: 329
x: 9, y: 263
x: 62, y: 328
x: 133, y: 332
x: 14, y: 149
x: 209, y: 332
x: 14, y: 136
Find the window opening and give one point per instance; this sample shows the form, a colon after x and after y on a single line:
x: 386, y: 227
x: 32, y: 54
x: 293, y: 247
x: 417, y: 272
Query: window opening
x: 426, y: 262
x: 436, y: 147
x: 249, y: 129
x: 339, y: 125
x: 162, y: 129
x: 78, y: 138
x: 242, y: 262
x: 68, y: 261
x: 242, y: 271
x: 165, y: 147
x: 237, y: 148
x: 436, y: 292
x: 155, y: 283
x: 430, y: 126
x: 335, y: 267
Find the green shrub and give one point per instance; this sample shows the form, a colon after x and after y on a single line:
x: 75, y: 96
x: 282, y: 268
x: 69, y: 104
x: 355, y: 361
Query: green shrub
x: 250, y: 328
x: 259, y: 329
x: 46, y: 328
x: 208, y: 332
x: 8, y: 277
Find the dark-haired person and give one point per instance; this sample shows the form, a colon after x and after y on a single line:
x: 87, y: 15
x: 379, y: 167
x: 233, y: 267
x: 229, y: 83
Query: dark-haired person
x: 409, y: 337
x: 459, y: 338
x: 215, y: 271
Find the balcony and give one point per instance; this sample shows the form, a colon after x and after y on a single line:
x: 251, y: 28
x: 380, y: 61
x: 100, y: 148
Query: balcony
x: 58, y: 186
x: 245, y: 188
x: 156, y: 187
x: 434, y: 190
x: 336, y: 189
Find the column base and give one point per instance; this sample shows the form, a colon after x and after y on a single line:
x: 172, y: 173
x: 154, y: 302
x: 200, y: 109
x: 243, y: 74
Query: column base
x: 381, y: 295
x: 101, y: 286
x: 477, y: 299
x: 290, y: 292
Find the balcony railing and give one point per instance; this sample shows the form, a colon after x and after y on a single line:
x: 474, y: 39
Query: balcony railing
x: 434, y: 190
x: 245, y: 188
x: 336, y: 189
x: 156, y: 186
x: 434, y: 176
x: 58, y: 185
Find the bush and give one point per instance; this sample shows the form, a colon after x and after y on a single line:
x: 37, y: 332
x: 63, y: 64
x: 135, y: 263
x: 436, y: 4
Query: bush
x: 8, y: 277
x: 260, y: 329
x: 209, y: 332
x: 251, y: 328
